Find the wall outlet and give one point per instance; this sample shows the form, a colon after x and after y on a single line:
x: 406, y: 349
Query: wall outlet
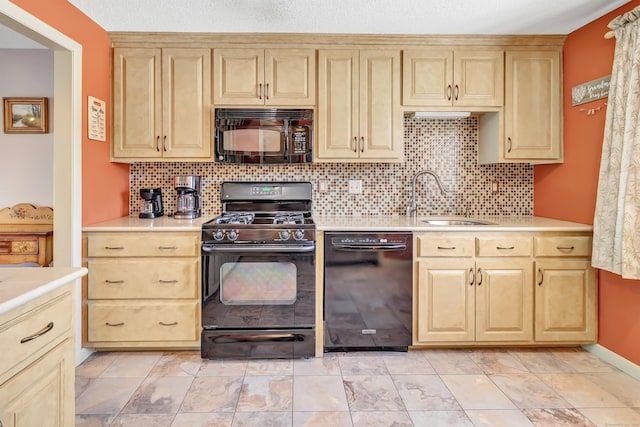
x: 355, y: 186
x: 494, y: 187
x: 323, y: 186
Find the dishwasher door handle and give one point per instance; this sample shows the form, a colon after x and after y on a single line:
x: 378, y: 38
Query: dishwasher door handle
x: 369, y: 248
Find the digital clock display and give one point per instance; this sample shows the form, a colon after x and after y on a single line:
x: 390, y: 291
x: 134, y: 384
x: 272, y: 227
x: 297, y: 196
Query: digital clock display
x: 266, y: 190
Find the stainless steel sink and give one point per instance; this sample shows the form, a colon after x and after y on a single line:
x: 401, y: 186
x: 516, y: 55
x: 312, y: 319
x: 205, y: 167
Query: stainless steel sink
x: 461, y: 221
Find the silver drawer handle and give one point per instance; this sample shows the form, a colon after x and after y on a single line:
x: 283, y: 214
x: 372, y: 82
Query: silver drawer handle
x: 506, y: 248
x: 114, y: 282
x: 565, y: 248
x: 167, y: 281
x: 37, y: 334
x: 167, y: 247
x: 114, y: 324
x: 448, y: 248
x: 114, y: 248
x: 168, y: 324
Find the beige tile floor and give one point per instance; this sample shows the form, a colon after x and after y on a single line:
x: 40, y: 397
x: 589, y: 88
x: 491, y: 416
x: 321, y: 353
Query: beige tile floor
x: 511, y: 388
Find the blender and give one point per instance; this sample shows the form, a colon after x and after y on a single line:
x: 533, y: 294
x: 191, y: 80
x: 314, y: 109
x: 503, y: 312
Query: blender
x: 188, y: 203
x: 151, y: 203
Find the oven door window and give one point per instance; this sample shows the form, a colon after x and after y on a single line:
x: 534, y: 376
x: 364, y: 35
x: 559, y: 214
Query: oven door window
x: 258, y: 283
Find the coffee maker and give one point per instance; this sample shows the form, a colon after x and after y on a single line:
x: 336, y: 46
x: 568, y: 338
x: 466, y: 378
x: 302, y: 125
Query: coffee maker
x: 151, y: 203
x: 189, y: 203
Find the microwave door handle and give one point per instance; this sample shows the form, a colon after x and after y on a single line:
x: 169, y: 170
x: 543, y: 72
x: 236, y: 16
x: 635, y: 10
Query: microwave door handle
x: 286, y: 140
x: 216, y: 143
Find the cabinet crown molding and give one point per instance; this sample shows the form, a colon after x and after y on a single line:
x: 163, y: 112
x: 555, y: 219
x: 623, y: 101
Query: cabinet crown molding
x: 162, y: 39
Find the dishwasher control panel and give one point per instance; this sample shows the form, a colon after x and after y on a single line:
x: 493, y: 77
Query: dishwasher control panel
x: 370, y: 240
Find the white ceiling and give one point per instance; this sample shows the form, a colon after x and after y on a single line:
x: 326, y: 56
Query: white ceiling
x: 348, y: 16
x: 337, y: 16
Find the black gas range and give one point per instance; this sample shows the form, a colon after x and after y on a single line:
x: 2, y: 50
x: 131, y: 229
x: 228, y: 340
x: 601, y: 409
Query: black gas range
x: 258, y: 273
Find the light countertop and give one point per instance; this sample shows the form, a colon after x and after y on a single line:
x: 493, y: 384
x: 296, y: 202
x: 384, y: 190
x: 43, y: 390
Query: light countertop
x: 355, y: 223
x: 163, y: 223
x: 405, y: 223
x: 19, y: 285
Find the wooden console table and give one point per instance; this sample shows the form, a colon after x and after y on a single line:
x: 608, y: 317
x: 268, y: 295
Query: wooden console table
x: 26, y: 235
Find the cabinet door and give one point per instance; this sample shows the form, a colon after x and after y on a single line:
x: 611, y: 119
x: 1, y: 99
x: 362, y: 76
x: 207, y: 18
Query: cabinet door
x: 478, y: 78
x: 427, y: 77
x: 290, y: 77
x: 338, y: 104
x: 186, y: 79
x: 239, y: 76
x: 533, y: 116
x: 565, y: 301
x: 381, y: 121
x: 445, y: 308
x: 504, y: 300
x: 42, y: 394
x: 137, y: 101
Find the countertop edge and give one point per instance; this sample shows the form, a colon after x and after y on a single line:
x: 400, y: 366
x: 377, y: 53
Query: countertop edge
x: 355, y: 223
x: 67, y: 275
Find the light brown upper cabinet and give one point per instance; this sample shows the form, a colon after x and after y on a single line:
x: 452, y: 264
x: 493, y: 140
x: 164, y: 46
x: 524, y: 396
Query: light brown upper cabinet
x: 264, y: 77
x: 359, y: 117
x: 161, y: 104
x: 531, y: 128
x: 445, y: 78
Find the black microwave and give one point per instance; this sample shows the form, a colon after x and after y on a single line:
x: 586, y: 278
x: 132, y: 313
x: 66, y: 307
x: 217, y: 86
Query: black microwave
x: 263, y: 135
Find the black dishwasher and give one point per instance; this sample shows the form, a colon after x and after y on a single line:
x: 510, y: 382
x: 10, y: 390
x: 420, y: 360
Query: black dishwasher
x: 367, y: 291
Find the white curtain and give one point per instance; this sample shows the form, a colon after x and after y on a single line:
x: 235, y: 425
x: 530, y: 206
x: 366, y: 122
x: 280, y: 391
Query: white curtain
x: 616, y: 226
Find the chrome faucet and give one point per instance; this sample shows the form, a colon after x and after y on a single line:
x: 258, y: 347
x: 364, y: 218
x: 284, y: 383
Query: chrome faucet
x: 412, y: 209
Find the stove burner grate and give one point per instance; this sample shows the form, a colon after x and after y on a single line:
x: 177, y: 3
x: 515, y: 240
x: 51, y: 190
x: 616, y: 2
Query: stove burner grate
x: 235, y: 218
x: 290, y: 218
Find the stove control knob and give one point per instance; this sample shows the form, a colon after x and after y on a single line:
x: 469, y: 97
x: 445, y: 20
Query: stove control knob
x: 298, y: 234
x: 284, y: 235
x: 218, y: 235
x: 232, y: 235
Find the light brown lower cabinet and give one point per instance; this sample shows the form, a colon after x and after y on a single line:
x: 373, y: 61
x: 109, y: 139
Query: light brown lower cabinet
x: 499, y: 289
x: 143, y: 290
x: 473, y: 300
x: 565, y: 301
x: 37, y: 362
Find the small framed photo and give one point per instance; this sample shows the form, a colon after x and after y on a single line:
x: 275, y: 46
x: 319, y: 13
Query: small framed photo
x: 26, y: 115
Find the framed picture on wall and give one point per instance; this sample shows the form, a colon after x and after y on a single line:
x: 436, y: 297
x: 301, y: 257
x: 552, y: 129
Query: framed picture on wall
x: 26, y: 115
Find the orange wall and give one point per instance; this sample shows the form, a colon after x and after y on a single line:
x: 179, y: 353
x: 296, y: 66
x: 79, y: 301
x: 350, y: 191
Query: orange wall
x: 105, y: 185
x: 568, y: 191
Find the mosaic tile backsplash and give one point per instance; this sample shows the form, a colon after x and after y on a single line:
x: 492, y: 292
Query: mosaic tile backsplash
x: 446, y: 147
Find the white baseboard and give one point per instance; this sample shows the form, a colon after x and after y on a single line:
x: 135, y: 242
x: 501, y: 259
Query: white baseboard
x: 614, y: 359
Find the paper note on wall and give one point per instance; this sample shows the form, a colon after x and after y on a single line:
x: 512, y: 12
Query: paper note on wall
x: 96, y: 110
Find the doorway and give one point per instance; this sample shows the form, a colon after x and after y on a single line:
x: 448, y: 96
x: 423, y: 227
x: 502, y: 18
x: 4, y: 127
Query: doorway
x: 67, y: 142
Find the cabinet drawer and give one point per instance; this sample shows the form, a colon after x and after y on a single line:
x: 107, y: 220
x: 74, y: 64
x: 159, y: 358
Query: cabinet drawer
x: 157, y: 278
x: 504, y: 246
x: 142, y: 244
x: 562, y: 246
x: 445, y: 246
x: 19, y: 245
x: 142, y: 321
x: 31, y: 332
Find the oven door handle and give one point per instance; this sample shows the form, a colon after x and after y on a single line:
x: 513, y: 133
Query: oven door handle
x: 369, y: 248
x: 232, y: 338
x: 258, y: 248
